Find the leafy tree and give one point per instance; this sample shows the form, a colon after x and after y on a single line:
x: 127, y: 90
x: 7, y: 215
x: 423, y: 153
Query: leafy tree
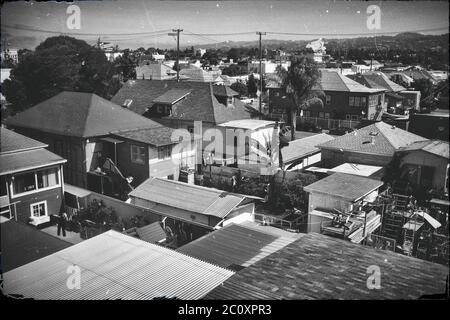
x: 57, y: 64
x: 125, y: 66
x: 425, y: 86
x: 240, y: 88
x: 252, y: 87
x: 233, y: 70
x: 290, y: 193
x: 299, y: 82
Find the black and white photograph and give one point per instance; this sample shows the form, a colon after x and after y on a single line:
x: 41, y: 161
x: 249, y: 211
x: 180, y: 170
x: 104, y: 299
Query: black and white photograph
x: 224, y: 154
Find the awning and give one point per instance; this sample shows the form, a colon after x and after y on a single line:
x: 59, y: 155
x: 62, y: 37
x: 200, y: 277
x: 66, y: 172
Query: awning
x: 76, y: 191
x: 432, y: 221
x: 112, y: 140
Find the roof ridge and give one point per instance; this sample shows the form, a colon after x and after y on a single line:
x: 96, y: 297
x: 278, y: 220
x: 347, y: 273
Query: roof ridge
x: 88, y: 113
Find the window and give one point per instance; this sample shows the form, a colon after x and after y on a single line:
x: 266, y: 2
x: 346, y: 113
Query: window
x: 363, y: 101
x: 357, y: 101
x: 354, y: 117
x: 327, y: 115
x: 351, y: 101
x: 159, y: 109
x: 3, y: 187
x: 39, y: 209
x: 347, y: 117
x: 24, y: 182
x: 137, y: 154
x: 164, y: 152
x: 327, y: 99
x: 321, y: 115
x: 229, y: 101
x: 47, y: 178
x: 307, y: 114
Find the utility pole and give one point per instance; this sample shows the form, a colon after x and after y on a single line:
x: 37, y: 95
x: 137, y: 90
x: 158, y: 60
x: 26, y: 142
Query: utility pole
x: 178, y: 50
x: 260, y: 72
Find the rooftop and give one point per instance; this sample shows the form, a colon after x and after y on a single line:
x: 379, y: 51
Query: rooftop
x: 159, y: 136
x: 378, y: 138
x: 335, y: 81
x: 322, y: 267
x: 172, y: 96
x: 248, y: 124
x: 356, y: 169
x: 20, y: 153
x: 377, y: 80
x: 21, y: 244
x: 188, y: 197
x: 14, y: 142
x: 235, y: 246
x: 348, y: 187
x: 436, y: 147
x: 116, y: 266
x: 200, y: 104
x: 300, y: 148
x: 79, y: 114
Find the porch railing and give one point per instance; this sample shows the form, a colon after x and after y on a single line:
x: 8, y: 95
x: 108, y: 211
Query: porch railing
x: 330, y: 123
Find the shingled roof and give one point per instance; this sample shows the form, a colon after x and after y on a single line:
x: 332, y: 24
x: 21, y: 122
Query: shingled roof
x: 335, y: 81
x: 377, y: 80
x: 378, y: 138
x: 321, y: 267
x: 79, y: 114
x: 14, y: 142
x: 436, y: 147
x: 200, y: 104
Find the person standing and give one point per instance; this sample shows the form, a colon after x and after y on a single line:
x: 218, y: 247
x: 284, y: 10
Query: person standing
x: 62, y: 223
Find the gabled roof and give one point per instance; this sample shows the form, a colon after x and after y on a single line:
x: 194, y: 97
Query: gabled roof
x: 377, y: 80
x: 172, y: 96
x: 348, y: 187
x: 201, y: 104
x: 322, y: 267
x: 335, y: 81
x: 436, y: 147
x: 115, y: 266
x: 187, y: 197
x: 156, y: 71
x: 235, y: 246
x: 79, y: 114
x: 378, y: 138
x: 14, y: 142
x: 300, y: 148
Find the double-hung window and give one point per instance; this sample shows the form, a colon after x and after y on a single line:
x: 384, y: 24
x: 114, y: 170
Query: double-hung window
x: 137, y: 154
x: 327, y: 99
x: 164, y: 152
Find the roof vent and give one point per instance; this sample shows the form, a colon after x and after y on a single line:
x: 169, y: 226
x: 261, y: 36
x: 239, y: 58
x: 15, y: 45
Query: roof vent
x: 373, y: 133
x: 393, y: 127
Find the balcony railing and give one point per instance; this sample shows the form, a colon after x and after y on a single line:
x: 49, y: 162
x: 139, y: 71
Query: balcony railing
x: 330, y: 123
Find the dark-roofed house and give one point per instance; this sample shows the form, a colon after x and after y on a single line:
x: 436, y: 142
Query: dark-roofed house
x: 32, y: 185
x: 192, y: 205
x: 345, y: 99
x: 302, y: 153
x: 318, y: 267
x: 179, y: 104
x: 425, y: 164
x: 346, y: 193
x: 372, y: 145
x: 104, y: 143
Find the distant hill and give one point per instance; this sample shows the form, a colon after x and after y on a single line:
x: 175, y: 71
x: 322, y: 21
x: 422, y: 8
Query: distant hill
x: 407, y: 40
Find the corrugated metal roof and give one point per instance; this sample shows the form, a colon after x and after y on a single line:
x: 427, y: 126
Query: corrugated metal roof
x: 235, y: 245
x: 345, y: 186
x: 151, y: 233
x: 116, y: 266
x: 187, y: 197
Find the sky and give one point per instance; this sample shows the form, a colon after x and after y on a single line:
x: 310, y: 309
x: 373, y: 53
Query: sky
x: 131, y: 24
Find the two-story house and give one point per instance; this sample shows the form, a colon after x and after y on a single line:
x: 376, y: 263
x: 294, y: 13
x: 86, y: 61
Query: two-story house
x: 109, y: 148
x: 345, y: 99
x: 31, y: 179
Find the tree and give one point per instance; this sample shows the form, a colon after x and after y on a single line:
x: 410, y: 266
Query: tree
x: 252, y: 87
x: 125, y: 66
x: 240, y: 88
x: 57, y: 64
x: 233, y: 70
x: 299, y: 83
x: 425, y: 86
